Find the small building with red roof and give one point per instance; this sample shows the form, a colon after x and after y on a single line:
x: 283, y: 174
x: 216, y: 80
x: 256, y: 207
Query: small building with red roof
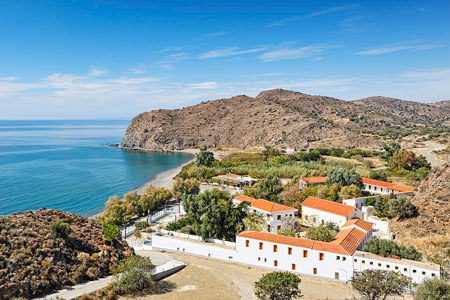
x: 274, y: 213
x: 316, y: 211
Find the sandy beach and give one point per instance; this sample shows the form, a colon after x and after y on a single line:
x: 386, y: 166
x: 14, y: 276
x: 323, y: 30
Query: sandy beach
x: 165, y: 179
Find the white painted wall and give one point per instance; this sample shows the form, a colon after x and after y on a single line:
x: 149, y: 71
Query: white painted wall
x: 363, y: 261
x: 379, y: 225
x: 322, y: 216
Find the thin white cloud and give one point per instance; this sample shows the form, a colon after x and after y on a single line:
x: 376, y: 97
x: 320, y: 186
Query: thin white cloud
x: 203, y: 86
x: 293, y: 53
x: 8, y: 78
x: 96, y: 71
x: 314, y: 14
x: 140, y: 69
x: 430, y: 74
x: 396, y: 48
x: 214, y: 34
x: 228, y: 52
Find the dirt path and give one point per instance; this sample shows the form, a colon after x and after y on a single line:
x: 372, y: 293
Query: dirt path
x: 209, y: 279
x: 432, y: 158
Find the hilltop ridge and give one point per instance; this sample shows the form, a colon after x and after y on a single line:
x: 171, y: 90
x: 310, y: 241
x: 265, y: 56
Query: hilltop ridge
x: 276, y: 117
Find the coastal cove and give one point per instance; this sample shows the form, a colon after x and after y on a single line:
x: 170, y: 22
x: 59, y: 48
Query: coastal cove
x: 69, y: 165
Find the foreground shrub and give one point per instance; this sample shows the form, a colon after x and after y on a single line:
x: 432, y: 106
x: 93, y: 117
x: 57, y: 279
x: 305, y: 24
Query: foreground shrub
x: 278, y: 286
x: 141, y: 224
x: 320, y: 233
x: 111, y: 232
x: 379, y: 284
x: 433, y: 289
x: 133, y: 275
x: 60, y: 230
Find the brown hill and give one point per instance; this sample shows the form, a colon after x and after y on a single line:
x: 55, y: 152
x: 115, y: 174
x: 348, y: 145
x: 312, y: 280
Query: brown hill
x: 32, y: 262
x: 442, y: 104
x: 273, y: 117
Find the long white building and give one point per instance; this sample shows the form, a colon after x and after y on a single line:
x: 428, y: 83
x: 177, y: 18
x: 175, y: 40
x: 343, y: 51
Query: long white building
x: 273, y: 213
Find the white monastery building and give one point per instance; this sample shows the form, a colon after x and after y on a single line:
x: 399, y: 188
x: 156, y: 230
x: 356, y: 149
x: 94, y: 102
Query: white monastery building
x: 317, y: 211
x: 370, y: 185
x: 274, y: 213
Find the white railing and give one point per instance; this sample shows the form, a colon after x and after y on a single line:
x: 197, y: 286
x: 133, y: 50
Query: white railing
x: 197, y: 238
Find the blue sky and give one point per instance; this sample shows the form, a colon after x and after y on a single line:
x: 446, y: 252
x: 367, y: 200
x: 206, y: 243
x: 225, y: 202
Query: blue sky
x: 115, y: 59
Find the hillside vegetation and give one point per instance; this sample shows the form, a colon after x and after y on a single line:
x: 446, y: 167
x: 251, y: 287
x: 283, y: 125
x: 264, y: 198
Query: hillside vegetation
x: 37, y: 256
x: 277, y: 117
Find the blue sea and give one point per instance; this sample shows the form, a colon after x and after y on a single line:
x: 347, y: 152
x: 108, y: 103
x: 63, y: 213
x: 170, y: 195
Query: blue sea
x: 68, y: 165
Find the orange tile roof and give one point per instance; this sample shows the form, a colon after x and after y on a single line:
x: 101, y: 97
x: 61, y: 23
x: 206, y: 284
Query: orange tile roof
x: 349, y: 239
x: 314, y: 179
x: 329, y: 206
x: 389, y: 185
x: 359, y: 223
x: 264, y: 205
x: 344, y: 245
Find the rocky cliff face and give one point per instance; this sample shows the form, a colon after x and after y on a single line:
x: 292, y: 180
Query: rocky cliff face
x: 32, y: 262
x: 432, y: 198
x: 274, y: 117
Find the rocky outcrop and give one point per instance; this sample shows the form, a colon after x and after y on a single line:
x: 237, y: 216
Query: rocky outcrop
x: 33, y: 262
x: 432, y: 198
x: 274, y: 117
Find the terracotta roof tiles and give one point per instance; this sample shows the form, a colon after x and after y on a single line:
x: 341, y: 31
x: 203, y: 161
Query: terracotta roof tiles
x: 264, y: 205
x: 328, y: 206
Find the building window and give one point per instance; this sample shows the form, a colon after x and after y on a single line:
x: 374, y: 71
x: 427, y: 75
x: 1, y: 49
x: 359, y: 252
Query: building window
x: 423, y: 273
x: 314, y: 219
x: 363, y: 261
x: 305, y: 253
x: 279, y: 217
x: 275, y: 248
x: 414, y: 271
x: 278, y: 227
x: 306, y: 218
x: 388, y: 266
x: 396, y: 267
x: 315, y: 271
x: 320, y: 256
x: 268, y: 228
x: 336, y: 275
x: 268, y: 217
x: 371, y: 263
x: 344, y: 258
x: 356, y: 260
x: 432, y: 274
x: 275, y: 263
x: 247, y: 243
x: 293, y: 267
x: 405, y: 269
x: 259, y: 258
x: 265, y: 259
x: 338, y: 257
x: 260, y: 246
x: 289, y: 251
x: 379, y: 264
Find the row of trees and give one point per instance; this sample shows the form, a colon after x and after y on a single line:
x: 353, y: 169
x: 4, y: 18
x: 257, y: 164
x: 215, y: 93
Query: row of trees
x: 388, y: 247
x: 369, y: 284
x: 392, y: 207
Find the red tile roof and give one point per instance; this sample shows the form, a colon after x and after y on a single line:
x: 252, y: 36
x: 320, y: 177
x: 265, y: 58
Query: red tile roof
x: 264, y: 205
x: 345, y: 243
x: 389, y: 185
x: 349, y: 239
x: 359, y: 223
x: 329, y: 206
x: 314, y: 179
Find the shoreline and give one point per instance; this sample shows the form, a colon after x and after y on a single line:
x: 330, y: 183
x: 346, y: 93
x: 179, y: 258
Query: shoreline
x: 163, y: 179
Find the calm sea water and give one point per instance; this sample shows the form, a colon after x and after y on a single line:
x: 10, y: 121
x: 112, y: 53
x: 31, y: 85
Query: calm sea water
x: 68, y: 165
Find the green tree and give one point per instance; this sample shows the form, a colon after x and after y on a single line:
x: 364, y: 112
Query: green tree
x: 382, y: 207
x: 408, y: 160
x: 269, y: 188
x: 350, y: 192
x: 278, y: 286
x: 111, y: 232
x: 390, y: 150
x: 254, y: 222
x: 204, y: 157
x: 379, y: 284
x: 388, y: 247
x: 378, y: 175
x: 133, y: 275
x: 187, y: 186
x: 154, y: 198
x: 131, y: 200
x: 320, y: 233
x: 270, y: 151
x: 60, y: 229
x: 402, y: 208
x: 344, y: 177
x: 287, y: 231
x: 433, y: 289
x: 141, y: 225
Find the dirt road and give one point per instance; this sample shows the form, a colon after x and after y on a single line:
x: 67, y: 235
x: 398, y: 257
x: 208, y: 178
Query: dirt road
x: 427, y: 151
